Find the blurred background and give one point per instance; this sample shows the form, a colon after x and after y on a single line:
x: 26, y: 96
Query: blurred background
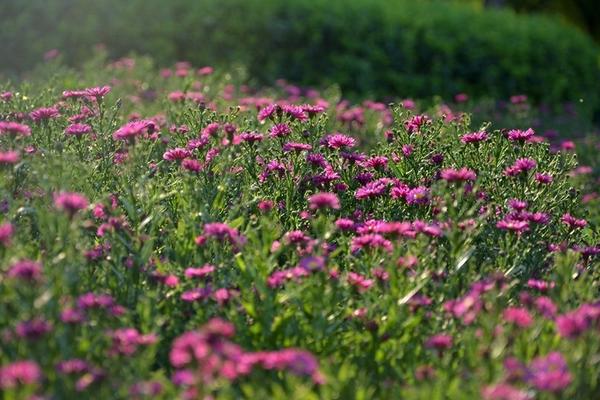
x: 547, y: 49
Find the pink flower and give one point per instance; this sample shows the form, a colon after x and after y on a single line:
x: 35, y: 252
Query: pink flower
x: 574, y: 323
x: 371, y: 241
x: 14, y: 128
x: 126, y: 341
x: 519, y: 135
x: 518, y: 316
x: 407, y: 150
x: 176, y: 96
x: 324, y: 200
x: 504, y: 391
x: 474, y: 137
x: 44, y: 113
x: 251, y: 137
x: 295, y: 112
x: 224, y: 232
x: 6, y: 232
x: 70, y: 202
x: 298, y: 147
x: 280, y: 130
x: 268, y: 112
x: 517, y: 226
x: 359, y: 281
x: 97, y: 92
x: 78, y: 129
x: 418, y: 195
x: 461, y: 97
x: 543, y: 178
x: 33, y: 329
x: 18, y: 373
x: 339, y: 141
x: 134, y: 129
x: 176, y: 154
x: 375, y: 162
x: 201, y: 272
x: 9, y: 157
x: 204, y: 71
x: 191, y: 165
x: 458, y: 175
x: 549, y: 373
x: 439, y: 342
x: 573, y: 222
x: 26, y: 270
x: 415, y: 123
x: 521, y: 165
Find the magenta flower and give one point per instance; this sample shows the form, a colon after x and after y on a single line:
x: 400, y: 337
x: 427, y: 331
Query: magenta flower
x: 573, y: 324
x: 73, y: 94
x: 191, y: 165
x: 126, y: 341
x: 375, y: 162
x: 44, y: 113
x: 518, y: 316
x: 546, y: 307
x: 418, y: 195
x: 6, y: 96
x: 268, y: 112
x: 200, y: 272
x: 6, y: 232
x: 26, y: 270
x: 340, y: 141
x: 373, y: 189
x: 33, y: 329
x: 70, y: 202
x: 439, y: 342
x: 324, y: 200
x: 549, y: 373
x: 297, y: 147
x: 513, y: 225
x: 543, y: 178
x: 295, y: 112
x: 18, y: 373
x: 458, y: 175
x: 521, y: 165
x: 371, y: 241
x: 517, y: 135
x: 360, y: 282
x: 517, y: 205
x: 133, y: 129
x: 474, y: 137
x: 504, y: 391
x: 78, y: 129
x: 224, y: 232
x: 251, y: 137
x: 176, y: 154
x: 415, y: 123
x: 9, y: 157
x: 280, y: 130
x: 14, y: 128
x: 572, y: 222
x: 97, y: 92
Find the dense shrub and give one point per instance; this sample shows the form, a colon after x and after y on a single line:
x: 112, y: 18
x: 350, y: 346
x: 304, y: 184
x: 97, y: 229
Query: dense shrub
x: 372, y: 47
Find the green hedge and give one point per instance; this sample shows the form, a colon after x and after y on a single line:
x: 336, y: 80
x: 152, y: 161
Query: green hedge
x: 368, y: 47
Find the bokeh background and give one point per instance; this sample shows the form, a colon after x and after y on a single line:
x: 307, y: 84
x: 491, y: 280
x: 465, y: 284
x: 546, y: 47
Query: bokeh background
x: 547, y: 49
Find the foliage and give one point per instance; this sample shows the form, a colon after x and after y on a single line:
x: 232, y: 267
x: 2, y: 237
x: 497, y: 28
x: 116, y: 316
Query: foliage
x: 369, y: 47
x: 180, y: 235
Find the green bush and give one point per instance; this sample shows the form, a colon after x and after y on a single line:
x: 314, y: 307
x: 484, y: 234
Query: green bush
x: 369, y: 47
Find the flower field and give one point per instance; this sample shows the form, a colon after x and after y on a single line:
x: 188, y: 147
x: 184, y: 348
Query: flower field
x: 177, y: 234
